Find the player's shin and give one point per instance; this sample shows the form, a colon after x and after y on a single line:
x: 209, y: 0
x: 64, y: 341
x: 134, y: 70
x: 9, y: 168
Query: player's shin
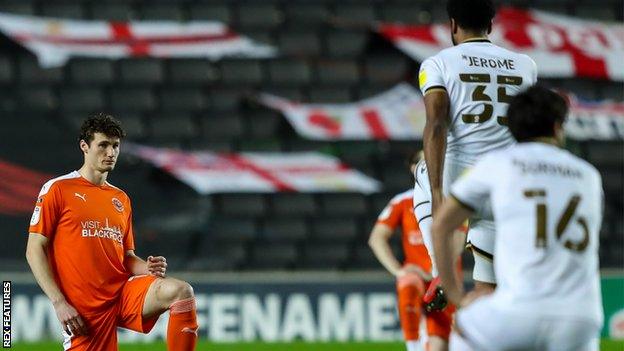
x: 410, y: 291
x: 182, y: 329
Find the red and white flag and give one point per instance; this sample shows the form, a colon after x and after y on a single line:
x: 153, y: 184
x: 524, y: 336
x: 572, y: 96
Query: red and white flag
x: 562, y: 46
x: 595, y: 120
x: 19, y: 187
x: 398, y: 114
x: 209, y: 172
x: 54, y: 41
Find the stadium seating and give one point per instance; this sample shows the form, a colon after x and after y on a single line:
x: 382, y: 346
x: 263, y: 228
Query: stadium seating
x: 327, y: 55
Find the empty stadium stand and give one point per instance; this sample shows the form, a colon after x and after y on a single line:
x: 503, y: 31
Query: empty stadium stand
x: 327, y: 55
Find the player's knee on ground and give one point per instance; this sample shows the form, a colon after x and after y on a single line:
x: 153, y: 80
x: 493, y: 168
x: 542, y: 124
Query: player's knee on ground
x: 172, y: 290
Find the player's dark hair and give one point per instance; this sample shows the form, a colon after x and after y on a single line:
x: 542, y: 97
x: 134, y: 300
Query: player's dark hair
x: 471, y: 14
x: 535, y: 112
x: 101, y: 123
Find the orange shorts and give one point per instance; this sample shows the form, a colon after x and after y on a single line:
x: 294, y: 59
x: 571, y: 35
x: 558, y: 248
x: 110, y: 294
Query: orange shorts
x: 411, y: 309
x: 125, y: 313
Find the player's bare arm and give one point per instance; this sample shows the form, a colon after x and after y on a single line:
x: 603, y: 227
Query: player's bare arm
x: 434, y: 139
x: 37, y: 257
x: 378, y: 242
x: 450, y: 216
x: 155, y: 265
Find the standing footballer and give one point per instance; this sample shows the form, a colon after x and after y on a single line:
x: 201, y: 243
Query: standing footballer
x: 81, y: 252
x: 548, y: 209
x: 413, y: 275
x: 467, y: 89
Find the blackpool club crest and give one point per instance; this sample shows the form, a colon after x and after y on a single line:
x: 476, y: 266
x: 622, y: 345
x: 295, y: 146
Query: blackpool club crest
x: 118, y: 205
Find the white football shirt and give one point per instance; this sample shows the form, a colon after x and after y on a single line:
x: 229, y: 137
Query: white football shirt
x: 547, y: 206
x: 480, y: 79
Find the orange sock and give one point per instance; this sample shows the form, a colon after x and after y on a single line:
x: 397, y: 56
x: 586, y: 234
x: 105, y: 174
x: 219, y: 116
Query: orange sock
x: 182, y: 328
x: 410, y: 290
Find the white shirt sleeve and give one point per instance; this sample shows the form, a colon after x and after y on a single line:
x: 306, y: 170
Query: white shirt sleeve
x: 430, y: 75
x: 473, y: 188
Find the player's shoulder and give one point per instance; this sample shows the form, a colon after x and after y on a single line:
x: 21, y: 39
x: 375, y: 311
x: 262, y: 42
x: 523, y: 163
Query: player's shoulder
x: 119, y: 192
x: 589, y: 173
x: 529, y: 62
x: 442, y: 58
x: 509, y: 52
x: 407, y: 195
x: 59, y: 182
x: 445, y: 54
x: 584, y: 165
x: 529, y: 59
x: 518, y: 56
x: 554, y: 154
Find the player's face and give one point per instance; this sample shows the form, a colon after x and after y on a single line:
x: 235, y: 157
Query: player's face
x: 101, y: 154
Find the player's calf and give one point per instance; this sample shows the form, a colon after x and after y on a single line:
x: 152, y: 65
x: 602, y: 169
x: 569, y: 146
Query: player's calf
x: 182, y: 328
x: 410, y: 289
x: 177, y: 297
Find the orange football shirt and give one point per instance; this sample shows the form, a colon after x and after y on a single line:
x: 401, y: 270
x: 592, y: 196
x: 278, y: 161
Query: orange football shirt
x: 89, y: 228
x: 400, y: 212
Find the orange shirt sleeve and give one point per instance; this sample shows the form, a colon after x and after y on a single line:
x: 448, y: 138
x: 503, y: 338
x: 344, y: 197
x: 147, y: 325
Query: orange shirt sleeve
x: 47, y: 211
x: 128, y: 241
x: 391, y: 215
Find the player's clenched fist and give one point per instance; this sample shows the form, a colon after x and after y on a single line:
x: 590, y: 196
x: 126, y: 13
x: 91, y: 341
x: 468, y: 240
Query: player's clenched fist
x: 70, y: 319
x: 157, y: 266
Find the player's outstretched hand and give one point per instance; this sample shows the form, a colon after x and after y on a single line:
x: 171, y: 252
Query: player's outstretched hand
x: 157, y: 266
x: 70, y: 319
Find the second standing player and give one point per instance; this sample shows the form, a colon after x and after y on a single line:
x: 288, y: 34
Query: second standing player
x: 467, y: 89
x: 413, y: 276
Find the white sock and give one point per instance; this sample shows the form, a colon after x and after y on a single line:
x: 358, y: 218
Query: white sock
x: 413, y: 345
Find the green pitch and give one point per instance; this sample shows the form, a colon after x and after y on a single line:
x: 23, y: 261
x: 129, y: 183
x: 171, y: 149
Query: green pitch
x: 605, y: 345
x: 297, y: 346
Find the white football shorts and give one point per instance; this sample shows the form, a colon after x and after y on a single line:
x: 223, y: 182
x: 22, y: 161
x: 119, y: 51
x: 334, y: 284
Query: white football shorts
x: 481, y: 232
x: 485, y: 326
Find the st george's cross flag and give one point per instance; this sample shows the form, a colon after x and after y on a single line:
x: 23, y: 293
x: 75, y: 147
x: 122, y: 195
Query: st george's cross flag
x: 54, y: 41
x: 211, y: 172
x: 594, y: 120
x: 561, y: 46
x: 396, y: 114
